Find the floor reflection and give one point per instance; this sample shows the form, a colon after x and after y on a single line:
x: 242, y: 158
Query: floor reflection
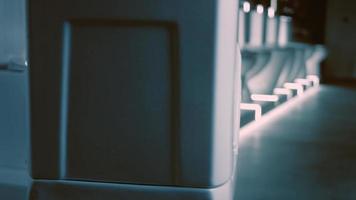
x: 304, y: 150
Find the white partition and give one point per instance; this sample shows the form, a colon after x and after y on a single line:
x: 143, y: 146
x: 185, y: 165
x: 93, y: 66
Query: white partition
x: 257, y: 24
x: 242, y: 27
x: 133, y: 99
x: 271, y: 28
x: 284, y: 30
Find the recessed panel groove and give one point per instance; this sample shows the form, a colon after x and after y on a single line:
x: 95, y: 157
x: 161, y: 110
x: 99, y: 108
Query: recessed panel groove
x: 122, y: 102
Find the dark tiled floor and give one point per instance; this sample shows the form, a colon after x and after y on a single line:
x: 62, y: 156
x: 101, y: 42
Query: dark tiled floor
x: 306, y: 149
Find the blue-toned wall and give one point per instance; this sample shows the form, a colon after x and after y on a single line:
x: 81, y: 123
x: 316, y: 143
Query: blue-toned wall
x: 13, y: 87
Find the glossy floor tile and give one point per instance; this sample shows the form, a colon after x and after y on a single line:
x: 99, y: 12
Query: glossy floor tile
x: 305, y: 149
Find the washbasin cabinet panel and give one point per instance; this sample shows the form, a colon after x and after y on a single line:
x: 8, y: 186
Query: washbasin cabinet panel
x: 133, y: 91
